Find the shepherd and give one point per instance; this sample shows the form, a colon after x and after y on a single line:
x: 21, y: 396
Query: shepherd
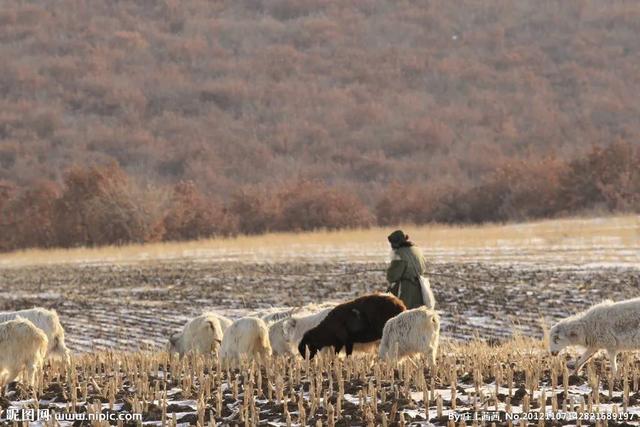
x: 406, y: 272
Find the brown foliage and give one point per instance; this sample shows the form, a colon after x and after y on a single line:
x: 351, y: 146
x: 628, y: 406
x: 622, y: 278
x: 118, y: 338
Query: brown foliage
x: 607, y: 179
x: 307, y: 205
x: 516, y: 191
x: 100, y: 205
x: 301, y: 82
x: 31, y: 215
x: 298, y: 206
x: 256, y: 210
x: 191, y: 216
x: 481, y: 111
x: 418, y: 204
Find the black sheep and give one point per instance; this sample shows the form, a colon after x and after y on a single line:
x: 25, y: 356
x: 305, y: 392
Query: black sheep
x: 357, y: 321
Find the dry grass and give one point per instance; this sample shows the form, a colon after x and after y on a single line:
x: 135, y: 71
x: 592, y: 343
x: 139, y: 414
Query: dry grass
x: 615, y: 239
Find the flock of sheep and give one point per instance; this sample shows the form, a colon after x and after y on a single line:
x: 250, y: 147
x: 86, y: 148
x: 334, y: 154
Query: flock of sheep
x: 377, y: 321
x: 358, y: 325
x: 27, y: 339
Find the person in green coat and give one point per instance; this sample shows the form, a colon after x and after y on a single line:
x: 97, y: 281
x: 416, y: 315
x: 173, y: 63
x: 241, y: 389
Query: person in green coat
x: 406, y: 265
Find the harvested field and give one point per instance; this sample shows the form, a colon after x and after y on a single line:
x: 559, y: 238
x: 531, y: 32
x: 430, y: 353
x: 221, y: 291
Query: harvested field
x: 129, y: 306
x: 118, y: 316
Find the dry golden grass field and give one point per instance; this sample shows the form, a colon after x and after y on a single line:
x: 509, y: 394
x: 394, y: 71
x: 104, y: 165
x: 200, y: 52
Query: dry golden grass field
x: 613, y: 240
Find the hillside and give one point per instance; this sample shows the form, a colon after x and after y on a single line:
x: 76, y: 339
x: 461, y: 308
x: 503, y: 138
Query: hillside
x: 137, y: 120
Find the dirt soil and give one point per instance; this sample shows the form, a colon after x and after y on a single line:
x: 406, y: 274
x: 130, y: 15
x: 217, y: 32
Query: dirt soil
x: 127, y: 307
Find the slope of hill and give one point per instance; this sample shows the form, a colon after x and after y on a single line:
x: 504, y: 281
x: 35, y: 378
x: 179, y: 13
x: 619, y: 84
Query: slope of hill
x: 399, y: 110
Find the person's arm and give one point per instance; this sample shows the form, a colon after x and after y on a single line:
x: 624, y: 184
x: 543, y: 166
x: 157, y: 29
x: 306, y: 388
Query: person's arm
x: 420, y: 260
x: 396, y: 270
x: 394, y: 274
x: 425, y: 266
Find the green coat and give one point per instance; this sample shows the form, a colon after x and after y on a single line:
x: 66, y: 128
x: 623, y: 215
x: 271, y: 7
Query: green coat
x: 407, y: 264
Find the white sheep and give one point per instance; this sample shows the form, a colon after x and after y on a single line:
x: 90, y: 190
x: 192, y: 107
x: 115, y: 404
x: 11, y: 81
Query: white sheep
x: 49, y: 322
x: 202, y: 334
x: 288, y: 333
x: 275, y: 314
x: 247, y: 336
x: 225, y: 322
x: 271, y: 315
x: 613, y: 326
x: 277, y: 339
x: 285, y: 334
x: 413, y: 331
x: 23, y: 347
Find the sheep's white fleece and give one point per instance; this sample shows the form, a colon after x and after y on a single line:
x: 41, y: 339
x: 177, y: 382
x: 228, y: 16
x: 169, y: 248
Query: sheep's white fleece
x: 23, y: 346
x: 614, y: 326
x: 247, y: 336
x: 49, y: 322
x: 285, y: 334
x: 202, y: 334
x: 413, y: 331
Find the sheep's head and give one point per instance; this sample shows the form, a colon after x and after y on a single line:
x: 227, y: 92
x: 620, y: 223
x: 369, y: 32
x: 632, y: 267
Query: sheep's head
x: 58, y: 350
x: 304, y: 344
x: 172, y: 345
x: 216, y: 335
x: 564, y: 334
x: 288, y: 326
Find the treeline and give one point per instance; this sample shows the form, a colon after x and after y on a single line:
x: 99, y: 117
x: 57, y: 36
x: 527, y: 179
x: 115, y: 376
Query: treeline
x: 102, y: 205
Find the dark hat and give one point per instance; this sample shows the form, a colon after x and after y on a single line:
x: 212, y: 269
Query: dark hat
x: 397, y: 238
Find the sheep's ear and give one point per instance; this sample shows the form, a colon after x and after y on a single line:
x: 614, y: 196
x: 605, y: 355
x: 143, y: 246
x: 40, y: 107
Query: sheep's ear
x: 211, y: 325
x: 173, y: 339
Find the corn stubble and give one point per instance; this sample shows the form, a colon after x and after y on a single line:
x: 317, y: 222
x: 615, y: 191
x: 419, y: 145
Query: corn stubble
x: 335, y: 391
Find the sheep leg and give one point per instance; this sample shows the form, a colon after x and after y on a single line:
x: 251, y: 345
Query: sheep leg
x: 584, y: 358
x: 341, y: 338
x: 431, y: 357
x: 30, y: 374
x: 349, y: 348
x: 10, y: 376
x: 614, y: 363
x: 337, y: 348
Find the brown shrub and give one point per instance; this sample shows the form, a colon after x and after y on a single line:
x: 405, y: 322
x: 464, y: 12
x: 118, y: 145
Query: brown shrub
x: 190, y: 216
x: 308, y: 205
x: 518, y: 190
x: 256, y: 209
x: 100, y: 205
x: 605, y: 179
x: 31, y: 216
x: 417, y: 204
